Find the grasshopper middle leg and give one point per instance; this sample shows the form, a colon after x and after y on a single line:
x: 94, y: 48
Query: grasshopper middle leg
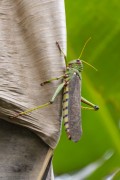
x: 50, y: 80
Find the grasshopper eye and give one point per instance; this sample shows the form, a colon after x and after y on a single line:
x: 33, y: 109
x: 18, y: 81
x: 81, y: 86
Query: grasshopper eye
x: 78, y: 61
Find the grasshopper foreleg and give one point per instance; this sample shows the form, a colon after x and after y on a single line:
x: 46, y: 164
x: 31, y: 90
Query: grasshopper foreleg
x: 61, y: 51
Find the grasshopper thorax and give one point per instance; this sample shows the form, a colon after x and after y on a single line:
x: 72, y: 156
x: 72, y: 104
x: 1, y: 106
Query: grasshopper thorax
x: 76, y: 64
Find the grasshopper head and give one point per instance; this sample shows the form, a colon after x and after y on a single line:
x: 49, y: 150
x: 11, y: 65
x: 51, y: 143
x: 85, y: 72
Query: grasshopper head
x: 76, y: 64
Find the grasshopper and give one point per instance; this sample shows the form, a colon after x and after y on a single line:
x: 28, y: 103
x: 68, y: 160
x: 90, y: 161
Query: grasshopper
x: 71, y: 104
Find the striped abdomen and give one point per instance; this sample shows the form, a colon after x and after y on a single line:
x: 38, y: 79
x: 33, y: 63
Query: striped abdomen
x: 65, y: 109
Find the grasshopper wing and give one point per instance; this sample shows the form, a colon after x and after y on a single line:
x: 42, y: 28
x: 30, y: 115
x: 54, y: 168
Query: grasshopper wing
x: 74, y: 108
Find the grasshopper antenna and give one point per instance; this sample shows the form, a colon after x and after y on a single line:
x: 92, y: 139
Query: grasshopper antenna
x: 89, y: 65
x: 84, y: 47
x: 82, y: 53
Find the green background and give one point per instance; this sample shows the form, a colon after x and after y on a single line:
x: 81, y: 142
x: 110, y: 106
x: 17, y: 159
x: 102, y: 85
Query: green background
x: 100, y: 141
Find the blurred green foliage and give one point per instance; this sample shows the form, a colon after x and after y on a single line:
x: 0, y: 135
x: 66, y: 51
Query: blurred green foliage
x: 99, y: 20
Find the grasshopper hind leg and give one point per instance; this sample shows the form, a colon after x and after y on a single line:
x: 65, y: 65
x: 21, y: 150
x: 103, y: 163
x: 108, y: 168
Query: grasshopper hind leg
x: 59, y: 88
x: 93, y: 106
x: 96, y: 108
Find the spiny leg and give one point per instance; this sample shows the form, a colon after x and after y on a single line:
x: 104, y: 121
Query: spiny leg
x: 85, y: 101
x: 29, y: 110
x: 87, y: 108
x: 61, y: 51
x: 59, y: 88
x: 50, y: 80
